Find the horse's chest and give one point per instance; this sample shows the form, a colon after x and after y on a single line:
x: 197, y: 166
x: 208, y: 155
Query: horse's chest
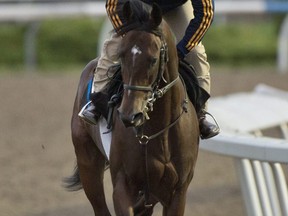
x: 140, y: 166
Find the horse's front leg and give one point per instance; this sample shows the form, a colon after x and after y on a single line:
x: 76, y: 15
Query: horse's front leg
x: 127, y: 200
x: 122, y: 195
x: 177, y: 205
x: 91, y: 164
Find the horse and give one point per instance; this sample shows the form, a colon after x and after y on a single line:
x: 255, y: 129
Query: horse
x: 155, y: 134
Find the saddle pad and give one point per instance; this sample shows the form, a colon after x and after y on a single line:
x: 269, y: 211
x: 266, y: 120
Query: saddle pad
x: 105, y: 137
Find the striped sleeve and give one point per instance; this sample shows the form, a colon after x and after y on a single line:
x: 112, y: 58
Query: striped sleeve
x: 203, y: 16
x: 113, y: 8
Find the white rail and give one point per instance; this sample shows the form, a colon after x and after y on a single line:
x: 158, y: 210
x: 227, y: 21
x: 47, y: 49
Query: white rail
x: 261, y: 177
x: 258, y: 159
x: 24, y: 12
x: 251, y: 6
x: 31, y: 10
x: 249, y: 147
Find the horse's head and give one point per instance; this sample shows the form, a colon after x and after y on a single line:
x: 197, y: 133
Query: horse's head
x: 143, y: 53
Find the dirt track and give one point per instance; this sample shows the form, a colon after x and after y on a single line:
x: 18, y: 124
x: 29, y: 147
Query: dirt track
x: 36, y: 149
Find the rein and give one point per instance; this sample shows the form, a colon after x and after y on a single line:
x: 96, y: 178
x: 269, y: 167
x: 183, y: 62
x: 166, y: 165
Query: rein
x: 144, y: 139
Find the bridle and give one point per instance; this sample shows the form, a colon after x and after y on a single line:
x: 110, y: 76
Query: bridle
x: 156, y: 92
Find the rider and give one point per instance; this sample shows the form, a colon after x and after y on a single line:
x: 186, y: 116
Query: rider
x: 189, y: 20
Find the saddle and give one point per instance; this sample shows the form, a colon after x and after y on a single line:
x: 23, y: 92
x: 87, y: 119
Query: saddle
x: 106, y: 100
x: 197, y: 95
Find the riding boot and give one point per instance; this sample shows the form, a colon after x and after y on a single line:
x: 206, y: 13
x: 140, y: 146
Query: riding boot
x: 89, y: 114
x: 94, y: 109
x: 207, y: 129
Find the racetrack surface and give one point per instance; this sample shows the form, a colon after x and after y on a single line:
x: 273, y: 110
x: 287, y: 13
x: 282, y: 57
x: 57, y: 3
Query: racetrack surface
x: 36, y: 149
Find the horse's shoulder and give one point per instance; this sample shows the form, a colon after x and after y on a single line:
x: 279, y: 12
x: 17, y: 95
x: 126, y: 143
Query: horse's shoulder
x: 90, y: 67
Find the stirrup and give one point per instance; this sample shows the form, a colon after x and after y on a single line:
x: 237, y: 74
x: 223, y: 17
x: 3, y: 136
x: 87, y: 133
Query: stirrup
x: 87, y: 118
x: 213, y: 132
x: 80, y: 114
x: 216, y: 123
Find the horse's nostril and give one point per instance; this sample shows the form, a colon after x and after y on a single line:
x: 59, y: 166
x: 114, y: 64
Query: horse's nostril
x: 131, y: 120
x: 138, y: 119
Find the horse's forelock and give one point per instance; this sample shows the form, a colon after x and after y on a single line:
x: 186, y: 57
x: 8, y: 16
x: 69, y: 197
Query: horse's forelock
x: 141, y: 16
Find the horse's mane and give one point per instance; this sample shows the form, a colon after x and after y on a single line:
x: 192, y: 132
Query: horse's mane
x: 138, y: 17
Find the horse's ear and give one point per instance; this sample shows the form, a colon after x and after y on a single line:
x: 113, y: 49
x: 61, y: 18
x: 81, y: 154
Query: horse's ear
x: 156, y: 14
x: 127, y: 12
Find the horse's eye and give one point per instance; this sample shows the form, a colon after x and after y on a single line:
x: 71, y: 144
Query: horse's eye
x: 153, y: 61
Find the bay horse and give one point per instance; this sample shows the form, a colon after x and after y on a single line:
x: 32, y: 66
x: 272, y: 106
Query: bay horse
x: 155, y: 135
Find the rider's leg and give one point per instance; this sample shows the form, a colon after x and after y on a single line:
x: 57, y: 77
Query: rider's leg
x: 197, y: 57
x: 108, y: 57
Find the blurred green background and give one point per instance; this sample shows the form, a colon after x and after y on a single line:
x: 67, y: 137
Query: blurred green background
x: 64, y: 44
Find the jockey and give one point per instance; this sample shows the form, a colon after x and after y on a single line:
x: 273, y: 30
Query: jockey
x: 189, y: 20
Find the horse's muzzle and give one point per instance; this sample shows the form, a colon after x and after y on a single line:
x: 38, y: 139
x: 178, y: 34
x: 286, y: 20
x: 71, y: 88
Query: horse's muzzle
x: 133, y: 120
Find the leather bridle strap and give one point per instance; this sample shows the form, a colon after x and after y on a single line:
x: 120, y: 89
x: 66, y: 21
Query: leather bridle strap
x: 160, y: 92
x: 137, y: 88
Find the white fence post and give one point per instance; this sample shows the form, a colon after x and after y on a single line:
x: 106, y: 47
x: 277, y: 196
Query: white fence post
x: 258, y: 159
x: 282, y: 51
x: 248, y: 187
x: 30, y: 46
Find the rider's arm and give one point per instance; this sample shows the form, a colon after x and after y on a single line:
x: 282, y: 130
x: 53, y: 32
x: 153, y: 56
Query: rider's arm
x: 203, y: 16
x: 113, y: 8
